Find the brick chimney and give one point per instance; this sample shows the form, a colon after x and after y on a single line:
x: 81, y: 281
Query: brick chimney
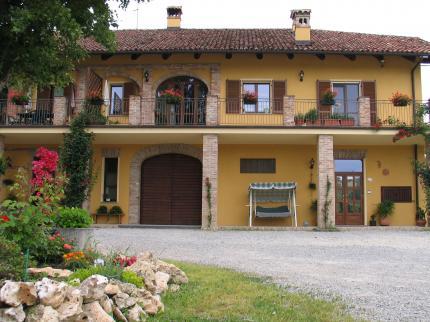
x: 174, y: 17
x: 301, y: 26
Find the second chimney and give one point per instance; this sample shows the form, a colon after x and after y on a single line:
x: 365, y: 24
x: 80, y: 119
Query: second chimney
x: 174, y: 17
x: 301, y: 26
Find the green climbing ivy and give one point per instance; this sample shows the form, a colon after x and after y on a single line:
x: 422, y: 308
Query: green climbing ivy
x: 77, y: 162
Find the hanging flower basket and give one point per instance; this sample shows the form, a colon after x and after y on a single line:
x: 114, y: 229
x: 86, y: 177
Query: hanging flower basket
x: 20, y: 99
x: 328, y: 97
x: 171, y: 96
x: 94, y: 100
x: 249, y: 98
x: 399, y: 99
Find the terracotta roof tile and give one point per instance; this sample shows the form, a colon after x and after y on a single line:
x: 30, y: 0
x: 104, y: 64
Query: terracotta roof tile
x: 255, y: 40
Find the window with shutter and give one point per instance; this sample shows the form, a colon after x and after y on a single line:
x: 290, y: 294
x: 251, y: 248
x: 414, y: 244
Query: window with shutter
x: 233, y: 101
x: 279, y: 91
x: 396, y: 194
x: 257, y: 165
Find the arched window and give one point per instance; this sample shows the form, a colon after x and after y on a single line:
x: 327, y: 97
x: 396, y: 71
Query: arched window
x: 181, y: 100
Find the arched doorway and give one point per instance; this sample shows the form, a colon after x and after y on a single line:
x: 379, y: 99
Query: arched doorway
x: 171, y: 190
x: 181, y: 100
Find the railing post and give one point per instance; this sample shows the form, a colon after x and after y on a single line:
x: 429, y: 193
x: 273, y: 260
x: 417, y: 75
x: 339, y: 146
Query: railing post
x: 134, y: 111
x: 59, y: 110
x: 212, y: 110
x: 364, y: 111
x: 289, y: 110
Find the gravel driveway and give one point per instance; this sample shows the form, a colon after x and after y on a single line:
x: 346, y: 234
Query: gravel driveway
x: 382, y: 275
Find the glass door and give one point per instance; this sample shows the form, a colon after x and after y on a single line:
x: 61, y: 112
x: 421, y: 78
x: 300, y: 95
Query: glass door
x: 347, y: 100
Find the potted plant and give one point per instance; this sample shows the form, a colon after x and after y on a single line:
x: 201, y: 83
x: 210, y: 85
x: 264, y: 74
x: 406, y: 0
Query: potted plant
x: 20, y: 99
x: 385, y: 209
x: 299, y: 119
x: 116, y: 211
x: 249, y: 97
x: 346, y: 120
x: 333, y: 120
x: 420, y: 217
x: 372, y: 221
x: 399, y: 99
x: 171, y: 96
x: 312, y: 117
x: 101, y: 211
x: 328, y: 97
x: 314, y: 205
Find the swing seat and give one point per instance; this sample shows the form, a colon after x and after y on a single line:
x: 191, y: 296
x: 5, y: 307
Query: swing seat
x: 273, y: 212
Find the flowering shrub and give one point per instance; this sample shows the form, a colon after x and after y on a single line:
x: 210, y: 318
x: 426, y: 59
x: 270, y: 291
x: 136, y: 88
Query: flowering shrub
x: 44, y: 166
x: 171, y: 95
x: 55, y: 249
x: 20, y: 99
x: 124, y: 261
x: 399, y: 99
x: 75, y: 260
x: 249, y: 97
x: 328, y: 97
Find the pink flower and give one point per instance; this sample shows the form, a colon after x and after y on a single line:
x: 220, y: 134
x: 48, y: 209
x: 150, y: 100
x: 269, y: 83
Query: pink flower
x: 68, y: 246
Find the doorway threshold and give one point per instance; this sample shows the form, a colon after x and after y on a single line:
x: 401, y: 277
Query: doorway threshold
x: 160, y: 226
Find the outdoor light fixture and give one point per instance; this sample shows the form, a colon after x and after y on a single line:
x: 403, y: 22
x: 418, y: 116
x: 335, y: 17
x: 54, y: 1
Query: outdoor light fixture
x: 301, y: 75
x: 146, y: 75
x: 311, y: 163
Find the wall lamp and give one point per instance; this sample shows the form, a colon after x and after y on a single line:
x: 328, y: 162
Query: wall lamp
x: 146, y: 75
x: 301, y: 75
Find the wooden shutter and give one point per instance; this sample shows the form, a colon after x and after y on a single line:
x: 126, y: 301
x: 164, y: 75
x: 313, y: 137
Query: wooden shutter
x: 279, y: 91
x: 233, y: 100
x: 396, y: 194
x: 322, y: 87
x: 94, y: 84
x: 368, y: 89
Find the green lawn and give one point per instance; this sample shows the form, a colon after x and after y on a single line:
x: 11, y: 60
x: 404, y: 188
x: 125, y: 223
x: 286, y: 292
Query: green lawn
x: 215, y: 294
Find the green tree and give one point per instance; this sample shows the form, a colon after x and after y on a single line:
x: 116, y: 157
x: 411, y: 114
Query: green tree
x: 40, y: 38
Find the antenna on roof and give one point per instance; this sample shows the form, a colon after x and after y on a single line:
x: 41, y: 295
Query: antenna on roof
x: 137, y: 16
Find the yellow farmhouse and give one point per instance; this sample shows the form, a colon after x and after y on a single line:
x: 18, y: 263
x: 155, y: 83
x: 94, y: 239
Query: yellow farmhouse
x: 239, y: 127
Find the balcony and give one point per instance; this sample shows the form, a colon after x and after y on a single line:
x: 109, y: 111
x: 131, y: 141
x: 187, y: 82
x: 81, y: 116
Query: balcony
x: 211, y: 111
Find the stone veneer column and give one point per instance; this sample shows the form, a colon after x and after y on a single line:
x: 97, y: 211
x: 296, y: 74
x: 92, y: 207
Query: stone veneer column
x: 212, y: 110
x: 147, y: 111
x: 364, y: 111
x: 289, y: 110
x: 325, y: 175
x: 210, y: 175
x: 81, y: 88
x: 60, y: 111
x: 215, y: 85
x: 134, y: 115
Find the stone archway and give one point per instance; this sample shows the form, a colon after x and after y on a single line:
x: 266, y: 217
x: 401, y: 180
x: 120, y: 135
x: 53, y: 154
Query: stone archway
x: 135, y: 171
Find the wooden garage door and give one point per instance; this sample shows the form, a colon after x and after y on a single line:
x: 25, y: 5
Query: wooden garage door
x: 171, y: 188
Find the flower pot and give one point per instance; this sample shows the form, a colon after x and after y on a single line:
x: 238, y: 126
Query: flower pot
x: 331, y: 122
x: 372, y: 222
x: 314, y: 122
x: 347, y: 122
x: 421, y: 222
x: 384, y: 221
x: 300, y: 122
x: 328, y: 102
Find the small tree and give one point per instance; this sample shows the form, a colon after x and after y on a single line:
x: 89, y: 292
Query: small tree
x: 76, y: 160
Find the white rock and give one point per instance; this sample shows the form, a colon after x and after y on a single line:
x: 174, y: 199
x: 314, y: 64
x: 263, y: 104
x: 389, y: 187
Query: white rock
x: 51, y: 272
x: 71, y: 308
x: 95, y: 312
x: 106, y: 304
x: 112, y: 289
x: 136, y: 314
x: 50, y: 292
x: 42, y: 313
x: 123, y: 300
x: 177, y: 276
x: 118, y: 315
x: 161, y: 280
x: 93, y: 288
x: 12, y: 314
x: 144, y: 269
x: 17, y: 293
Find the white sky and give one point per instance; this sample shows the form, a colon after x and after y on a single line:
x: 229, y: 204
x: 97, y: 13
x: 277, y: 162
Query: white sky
x: 396, y: 17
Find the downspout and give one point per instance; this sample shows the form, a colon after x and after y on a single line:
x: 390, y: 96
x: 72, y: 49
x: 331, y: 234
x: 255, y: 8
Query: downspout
x: 417, y: 195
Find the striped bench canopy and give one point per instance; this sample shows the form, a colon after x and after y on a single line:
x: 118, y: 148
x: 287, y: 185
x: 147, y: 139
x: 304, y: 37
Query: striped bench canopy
x: 272, y: 186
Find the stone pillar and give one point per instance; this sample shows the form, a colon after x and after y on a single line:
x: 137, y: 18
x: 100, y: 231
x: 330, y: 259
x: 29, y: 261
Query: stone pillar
x: 215, y: 85
x: 60, y: 111
x: 326, y: 184
x: 212, y: 110
x: 364, y: 111
x: 147, y: 112
x: 81, y: 88
x: 134, y: 115
x: 289, y: 110
x: 210, y: 177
